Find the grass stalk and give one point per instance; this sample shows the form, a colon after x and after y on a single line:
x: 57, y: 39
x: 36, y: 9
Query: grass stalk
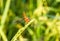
x: 39, y: 3
x: 1, y: 5
x: 3, y: 20
x: 5, y: 13
x: 21, y: 30
x: 3, y: 35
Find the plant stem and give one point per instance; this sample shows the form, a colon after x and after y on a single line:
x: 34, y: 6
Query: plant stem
x: 3, y: 35
x: 3, y: 20
x: 21, y: 30
x: 39, y: 3
x: 5, y: 13
x: 1, y: 5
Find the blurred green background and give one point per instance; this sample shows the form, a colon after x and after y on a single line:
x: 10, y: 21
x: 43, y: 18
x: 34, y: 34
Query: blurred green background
x: 29, y: 20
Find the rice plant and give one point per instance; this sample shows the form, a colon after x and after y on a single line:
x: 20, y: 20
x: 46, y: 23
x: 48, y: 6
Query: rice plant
x: 29, y: 20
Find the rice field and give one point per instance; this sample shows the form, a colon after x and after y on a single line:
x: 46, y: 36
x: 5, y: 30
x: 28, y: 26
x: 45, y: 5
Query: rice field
x: 29, y: 20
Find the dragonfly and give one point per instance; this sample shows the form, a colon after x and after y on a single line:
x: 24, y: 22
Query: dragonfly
x: 20, y: 22
x: 26, y: 19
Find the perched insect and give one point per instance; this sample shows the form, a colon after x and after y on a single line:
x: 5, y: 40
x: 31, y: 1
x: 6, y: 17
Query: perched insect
x: 26, y: 19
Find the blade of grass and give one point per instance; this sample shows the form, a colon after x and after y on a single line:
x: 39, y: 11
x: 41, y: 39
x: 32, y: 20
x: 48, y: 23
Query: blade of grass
x: 1, y: 5
x: 21, y: 30
x: 3, y: 20
x: 52, y: 9
x: 39, y: 3
x: 5, y: 13
x: 3, y: 35
x: 31, y: 32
